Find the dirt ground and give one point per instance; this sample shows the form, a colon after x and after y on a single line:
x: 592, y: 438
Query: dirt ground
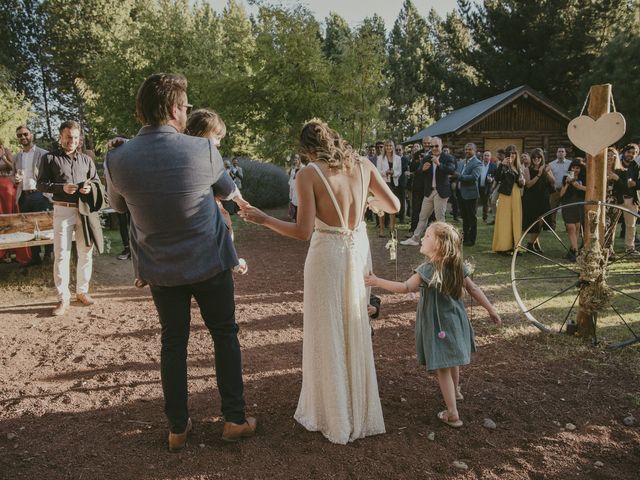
x: 80, y: 395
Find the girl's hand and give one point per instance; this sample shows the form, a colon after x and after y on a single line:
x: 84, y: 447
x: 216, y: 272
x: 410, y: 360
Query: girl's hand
x: 370, y: 280
x: 495, y: 318
x: 253, y: 215
x: 374, y: 205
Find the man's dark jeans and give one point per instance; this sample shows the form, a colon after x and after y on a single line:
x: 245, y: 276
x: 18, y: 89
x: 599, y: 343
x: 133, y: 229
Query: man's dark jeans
x: 215, y: 299
x: 35, y: 202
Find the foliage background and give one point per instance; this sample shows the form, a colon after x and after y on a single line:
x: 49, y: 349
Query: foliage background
x: 268, y: 73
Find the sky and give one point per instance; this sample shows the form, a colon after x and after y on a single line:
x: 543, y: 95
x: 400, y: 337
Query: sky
x: 354, y: 11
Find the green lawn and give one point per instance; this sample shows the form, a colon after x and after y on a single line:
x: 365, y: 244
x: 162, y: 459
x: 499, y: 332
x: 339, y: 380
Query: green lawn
x: 539, y: 279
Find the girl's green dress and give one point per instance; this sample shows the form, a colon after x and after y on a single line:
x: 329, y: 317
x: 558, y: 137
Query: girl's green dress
x: 456, y: 347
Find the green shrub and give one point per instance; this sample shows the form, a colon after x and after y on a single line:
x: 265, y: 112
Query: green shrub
x: 264, y: 185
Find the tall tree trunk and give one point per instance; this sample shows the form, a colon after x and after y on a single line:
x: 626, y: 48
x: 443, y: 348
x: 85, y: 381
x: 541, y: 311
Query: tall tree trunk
x: 45, y: 98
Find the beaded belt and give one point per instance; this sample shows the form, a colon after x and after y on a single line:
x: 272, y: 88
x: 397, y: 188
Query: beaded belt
x: 346, y: 233
x: 65, y: 204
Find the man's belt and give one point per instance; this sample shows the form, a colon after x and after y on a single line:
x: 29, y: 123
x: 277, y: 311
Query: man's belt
x: 29, y: 191
x: 65, y: 204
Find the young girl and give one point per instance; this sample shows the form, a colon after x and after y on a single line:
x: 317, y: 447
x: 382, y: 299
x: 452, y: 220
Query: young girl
x: 444, y: 336
x: 208, y: 124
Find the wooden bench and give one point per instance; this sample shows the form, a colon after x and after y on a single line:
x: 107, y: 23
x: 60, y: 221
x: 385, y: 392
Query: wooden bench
x: 25, y: 223
x: 28, y: 223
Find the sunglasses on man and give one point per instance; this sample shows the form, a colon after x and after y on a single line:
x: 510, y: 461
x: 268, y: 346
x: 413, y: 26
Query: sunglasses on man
x: 23, y: 134
x: 188, y: 106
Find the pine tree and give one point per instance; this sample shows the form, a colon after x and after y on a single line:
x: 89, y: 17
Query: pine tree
x: 409, y: 48
x: 548, y: 44
x: 337, y: 36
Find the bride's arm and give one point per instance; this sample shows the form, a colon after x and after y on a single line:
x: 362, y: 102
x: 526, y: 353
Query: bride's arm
x: 303, y: 228
x: 384, y: 198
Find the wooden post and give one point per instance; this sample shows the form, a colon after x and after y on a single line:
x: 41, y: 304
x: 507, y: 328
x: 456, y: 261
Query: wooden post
x: 599, y: 101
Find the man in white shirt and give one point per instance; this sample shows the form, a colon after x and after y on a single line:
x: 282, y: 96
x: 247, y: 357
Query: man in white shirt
x: 560, y: 169
x: 28, y: 198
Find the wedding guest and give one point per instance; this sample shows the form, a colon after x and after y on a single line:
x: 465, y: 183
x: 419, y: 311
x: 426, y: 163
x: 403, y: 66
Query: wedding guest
x: 525, y: 160
x: 8, y: 201
x: 401, y: 189
x: 229, y: 205
x: 444, y: 335
x: 455, y: 199
x: 27, y: 165
x: 436, y: 169
x: 487, y: 173
x: 192, y: 258
x: 416, y: 175
x: 469, y: 194
x: 539, y: 183
x: 123, y: 227
x: 293, y: 197
x: 237, y: 173
x: 389, y: 165
x: 559, y: 168
x: 71, y: 177
x: 572, y: 191
x: 494, y: 186
x: 630, y: 198
x: 615, y: 190
x: 373, y: 158
x: 508, y: 227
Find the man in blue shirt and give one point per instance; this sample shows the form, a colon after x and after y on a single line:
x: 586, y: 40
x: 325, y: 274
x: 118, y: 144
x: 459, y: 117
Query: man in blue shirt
x: 180, y: 245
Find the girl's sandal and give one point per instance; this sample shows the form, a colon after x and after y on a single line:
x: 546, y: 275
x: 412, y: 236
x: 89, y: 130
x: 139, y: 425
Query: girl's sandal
x: 459, y: 395
x: 443, y: 416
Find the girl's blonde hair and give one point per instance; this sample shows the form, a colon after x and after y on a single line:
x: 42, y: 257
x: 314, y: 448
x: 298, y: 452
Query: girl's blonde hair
x: 448, y: 276
x: 327, y: 144
x: 204, y: 123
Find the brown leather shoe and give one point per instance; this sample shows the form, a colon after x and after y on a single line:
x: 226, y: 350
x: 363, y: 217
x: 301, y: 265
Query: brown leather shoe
x: 85, y: 299
x: 233, y: 432
x: 60, y: 308
x: 177, y: 441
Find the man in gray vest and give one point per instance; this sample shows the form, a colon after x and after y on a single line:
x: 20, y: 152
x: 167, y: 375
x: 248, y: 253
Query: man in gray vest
x: 180, y: 245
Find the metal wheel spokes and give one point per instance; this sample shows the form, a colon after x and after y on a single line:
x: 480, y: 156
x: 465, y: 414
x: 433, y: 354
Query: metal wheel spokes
x: 554, y: 272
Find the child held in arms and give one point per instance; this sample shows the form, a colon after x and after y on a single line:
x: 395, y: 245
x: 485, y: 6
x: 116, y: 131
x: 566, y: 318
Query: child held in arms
x: 208, y: 124
x: 444, y: 335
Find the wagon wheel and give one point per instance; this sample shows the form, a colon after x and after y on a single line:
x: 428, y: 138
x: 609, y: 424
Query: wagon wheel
x: 534, y: 269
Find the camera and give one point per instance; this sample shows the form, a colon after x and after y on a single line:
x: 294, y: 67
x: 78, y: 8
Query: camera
x: 570, y: 176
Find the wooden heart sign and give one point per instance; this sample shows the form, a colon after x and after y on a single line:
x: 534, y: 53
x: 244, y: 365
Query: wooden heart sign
x: 593, y: 136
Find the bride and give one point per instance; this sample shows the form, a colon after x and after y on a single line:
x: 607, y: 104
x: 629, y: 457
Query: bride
x: 339, y: 394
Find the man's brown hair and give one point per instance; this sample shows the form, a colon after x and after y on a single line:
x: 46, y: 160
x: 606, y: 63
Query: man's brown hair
x: 70, y: 124
x: 157, y: 94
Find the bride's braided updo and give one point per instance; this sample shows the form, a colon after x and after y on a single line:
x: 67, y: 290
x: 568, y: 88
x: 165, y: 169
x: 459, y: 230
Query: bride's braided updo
x: 327, y: 145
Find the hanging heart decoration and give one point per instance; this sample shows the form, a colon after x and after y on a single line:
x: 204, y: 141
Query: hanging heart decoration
x: 593, y: 136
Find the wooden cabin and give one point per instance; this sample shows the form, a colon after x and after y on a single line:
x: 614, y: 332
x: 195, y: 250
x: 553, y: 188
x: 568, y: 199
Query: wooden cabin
x: 521, y: 116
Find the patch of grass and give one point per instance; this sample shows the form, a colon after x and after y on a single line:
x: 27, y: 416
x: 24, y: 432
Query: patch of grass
x: 493, y: 274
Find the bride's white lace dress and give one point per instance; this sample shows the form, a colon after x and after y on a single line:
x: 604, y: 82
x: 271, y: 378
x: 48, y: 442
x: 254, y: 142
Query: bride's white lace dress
x: 339, y: 394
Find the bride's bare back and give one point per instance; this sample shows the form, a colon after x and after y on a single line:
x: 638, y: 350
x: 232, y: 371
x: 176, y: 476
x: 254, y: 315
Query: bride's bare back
x: 347, y: 189
x: 314, y: 200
